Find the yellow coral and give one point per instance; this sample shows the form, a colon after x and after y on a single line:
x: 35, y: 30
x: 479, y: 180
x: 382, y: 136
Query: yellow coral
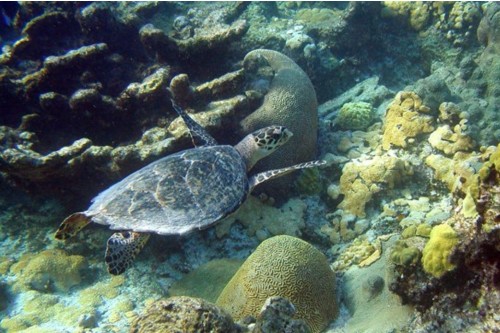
x: 360, y: 180
x: 405, y: 119
x: 450, y: 141
x: 283, y: 266
x: 457, y: 173
x: 417, y: 12
x: 357, y: 252
x: 436, y: 253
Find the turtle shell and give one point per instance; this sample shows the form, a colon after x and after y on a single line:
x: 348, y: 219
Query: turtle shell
x: 179, y: 193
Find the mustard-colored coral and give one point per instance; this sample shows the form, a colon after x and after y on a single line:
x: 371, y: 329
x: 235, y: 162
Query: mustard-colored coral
x: 405, y: 119
x: 417, y: 12
x: 357, y: 252
x: 283, y: 266
x: 50, y: 270
x: 437, y: 251
x: 450, y: 141
x: 360, y: 180
x: 456, y: 173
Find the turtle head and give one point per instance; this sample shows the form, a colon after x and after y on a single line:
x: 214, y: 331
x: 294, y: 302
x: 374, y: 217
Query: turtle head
x: 262, y: 143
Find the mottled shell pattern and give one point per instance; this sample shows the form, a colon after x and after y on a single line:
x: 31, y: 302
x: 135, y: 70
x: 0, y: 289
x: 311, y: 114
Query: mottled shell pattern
x: 177, y: 194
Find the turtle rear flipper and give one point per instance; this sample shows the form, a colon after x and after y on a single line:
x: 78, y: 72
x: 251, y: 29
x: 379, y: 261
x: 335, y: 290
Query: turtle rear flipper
x: 72, y: 225
x: 121, y: 250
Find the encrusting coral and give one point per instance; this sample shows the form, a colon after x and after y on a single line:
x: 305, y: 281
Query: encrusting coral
x: 288, y: 267
x: 361, y: 180
x: 48, y: 271
x: 406, y: 118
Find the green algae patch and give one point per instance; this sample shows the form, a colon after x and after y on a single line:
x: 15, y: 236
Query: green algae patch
x: 207, y: 281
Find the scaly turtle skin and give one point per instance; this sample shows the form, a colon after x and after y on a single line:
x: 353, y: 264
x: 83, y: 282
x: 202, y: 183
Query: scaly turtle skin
x: 189, y: 190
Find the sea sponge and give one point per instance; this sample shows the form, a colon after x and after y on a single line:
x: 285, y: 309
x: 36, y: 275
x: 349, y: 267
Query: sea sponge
x: 291, y: 102
x: 355, y: 116
x: 436, y: 253
x: 48, y: 271
x: 405, y: 119
x: 289, y: 267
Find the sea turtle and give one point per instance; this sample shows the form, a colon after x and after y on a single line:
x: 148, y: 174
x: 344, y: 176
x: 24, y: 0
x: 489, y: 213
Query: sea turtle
x: 188, y: 190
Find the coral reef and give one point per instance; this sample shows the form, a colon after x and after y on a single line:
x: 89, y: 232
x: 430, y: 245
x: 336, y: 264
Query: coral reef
x: 403, y: 254
x: 263, y: 220
x: 288, y: 267
x: 465, y: 297
x: 357, y: 252
x: 84, y: 94
x: 183, y: 314
x: 48, y: 271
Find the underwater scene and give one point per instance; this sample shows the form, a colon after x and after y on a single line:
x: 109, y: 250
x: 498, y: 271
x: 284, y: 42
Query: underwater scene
x: 260, y: 167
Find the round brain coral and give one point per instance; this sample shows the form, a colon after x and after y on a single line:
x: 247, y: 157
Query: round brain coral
x: 283, y: 266
x: 291, y: 102
x: 355, y: 116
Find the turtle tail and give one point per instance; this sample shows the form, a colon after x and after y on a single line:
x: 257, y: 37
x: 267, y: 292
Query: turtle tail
x: 72, y: 225
x: 121, y: 250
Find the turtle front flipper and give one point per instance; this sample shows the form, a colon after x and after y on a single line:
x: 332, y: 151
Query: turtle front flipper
x: 267, y: 175
x: 72, y: 225
x: 121, y: 250
x: 199, y: 135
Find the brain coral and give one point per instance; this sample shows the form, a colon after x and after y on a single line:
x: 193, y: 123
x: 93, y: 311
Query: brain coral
x: 355, y: 116
x: 291, y: 102
x: 283, y: 266
x: 438, y: 249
